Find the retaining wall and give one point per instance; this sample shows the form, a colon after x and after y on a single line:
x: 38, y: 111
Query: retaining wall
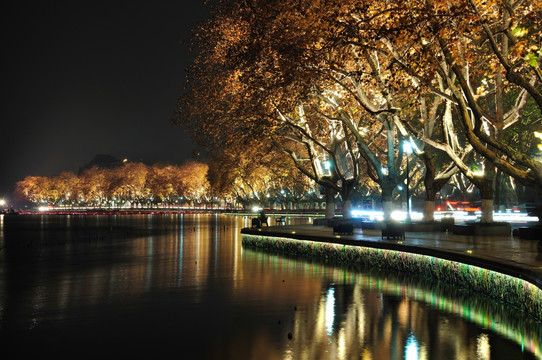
x: 510, y: 289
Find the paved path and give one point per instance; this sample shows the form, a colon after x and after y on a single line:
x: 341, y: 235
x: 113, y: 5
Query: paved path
x: 507, y: 254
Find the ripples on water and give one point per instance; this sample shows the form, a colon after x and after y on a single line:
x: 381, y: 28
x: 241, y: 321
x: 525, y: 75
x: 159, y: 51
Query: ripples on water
x: 183, y: 286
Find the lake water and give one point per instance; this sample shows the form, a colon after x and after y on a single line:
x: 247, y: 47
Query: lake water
x: 76, y: 286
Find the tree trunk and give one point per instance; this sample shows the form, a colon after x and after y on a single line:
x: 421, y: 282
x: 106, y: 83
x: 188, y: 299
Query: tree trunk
x: 430, y: 186
x: 487, y: 211
x: 486, y: 192
x: 347, y: 209
x: 330, y: 203
x: 387, y: 198
x: 429, y: 210
x: 498, y: 189
x: 387, y: 207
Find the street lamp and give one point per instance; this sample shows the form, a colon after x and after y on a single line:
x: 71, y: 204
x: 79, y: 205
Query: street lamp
x: 327, y: 168
x: 407, y: 148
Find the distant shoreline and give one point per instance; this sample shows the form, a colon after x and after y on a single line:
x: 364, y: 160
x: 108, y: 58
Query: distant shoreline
x: 151, y: 211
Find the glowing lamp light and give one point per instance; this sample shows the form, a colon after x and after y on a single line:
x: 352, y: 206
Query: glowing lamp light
x: 407, y: 147
x: 368, y: 214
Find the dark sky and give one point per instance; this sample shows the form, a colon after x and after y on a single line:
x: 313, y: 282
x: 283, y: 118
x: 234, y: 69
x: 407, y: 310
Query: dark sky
x: 85, y: 78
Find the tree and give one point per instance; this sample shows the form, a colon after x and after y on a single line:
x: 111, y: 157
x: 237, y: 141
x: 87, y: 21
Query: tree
x: 161, y: 184
x: 94, y: 184
x: 490, y: 68
x: 67, y: 187
x: 33, y: 188
x: 193, y: 179
x: 263, y: 71
x: 132, y: 183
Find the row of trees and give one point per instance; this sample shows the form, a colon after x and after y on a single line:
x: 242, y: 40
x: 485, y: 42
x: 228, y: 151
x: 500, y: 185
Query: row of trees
x: 246, y: 179
x: 132, y: 183
x: 346, y: 90
x: 191, y: 184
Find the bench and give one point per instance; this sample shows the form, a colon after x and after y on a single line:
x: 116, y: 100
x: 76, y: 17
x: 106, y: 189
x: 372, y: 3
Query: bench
x: 393, y: 230
x: 447, y: 223
x: 256, y: 222
x: 530, y: 233
x: 343, y: 227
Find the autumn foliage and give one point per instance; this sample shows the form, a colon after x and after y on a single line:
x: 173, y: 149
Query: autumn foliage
x: 349, y: 82
x: 132, y: 184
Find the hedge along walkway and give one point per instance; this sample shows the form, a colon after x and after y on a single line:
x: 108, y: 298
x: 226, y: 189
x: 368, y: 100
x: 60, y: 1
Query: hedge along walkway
x: 503, y: 267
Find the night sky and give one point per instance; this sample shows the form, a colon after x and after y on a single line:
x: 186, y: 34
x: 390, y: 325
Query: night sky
x: 86, y: 78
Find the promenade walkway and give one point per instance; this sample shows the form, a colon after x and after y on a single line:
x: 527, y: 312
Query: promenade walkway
x: 506, y: 254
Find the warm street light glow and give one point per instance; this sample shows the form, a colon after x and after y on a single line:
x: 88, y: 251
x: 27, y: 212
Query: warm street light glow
x: 539, y: 136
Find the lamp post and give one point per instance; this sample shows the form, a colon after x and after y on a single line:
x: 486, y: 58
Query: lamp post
x: 407, y: 148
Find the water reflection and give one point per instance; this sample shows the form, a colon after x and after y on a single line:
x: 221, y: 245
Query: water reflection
x: 158, y: 284
x: 329, y: 310
x: 384, y: 316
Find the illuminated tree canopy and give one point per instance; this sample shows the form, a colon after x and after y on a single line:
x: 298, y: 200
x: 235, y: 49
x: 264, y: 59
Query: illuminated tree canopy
x: 351, y: 82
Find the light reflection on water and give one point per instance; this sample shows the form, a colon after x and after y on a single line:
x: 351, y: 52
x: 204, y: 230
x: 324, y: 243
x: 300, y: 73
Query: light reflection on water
x: 184, y: 284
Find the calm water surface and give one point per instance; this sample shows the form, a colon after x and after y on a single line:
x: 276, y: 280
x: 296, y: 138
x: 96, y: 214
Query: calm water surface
x: 183, y: 286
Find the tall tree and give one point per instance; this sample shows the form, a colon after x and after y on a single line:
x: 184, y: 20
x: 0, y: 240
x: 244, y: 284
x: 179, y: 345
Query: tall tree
x: 490, y: 66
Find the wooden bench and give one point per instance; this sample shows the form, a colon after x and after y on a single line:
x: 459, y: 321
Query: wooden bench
x: 393, y: 231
